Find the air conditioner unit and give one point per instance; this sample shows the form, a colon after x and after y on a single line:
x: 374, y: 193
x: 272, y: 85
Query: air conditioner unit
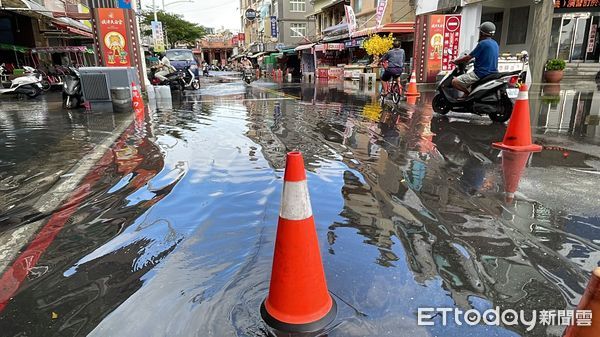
x: 96, y: 83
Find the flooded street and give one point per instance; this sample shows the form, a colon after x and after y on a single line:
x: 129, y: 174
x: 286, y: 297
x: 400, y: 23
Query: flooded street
x: 171, y: 232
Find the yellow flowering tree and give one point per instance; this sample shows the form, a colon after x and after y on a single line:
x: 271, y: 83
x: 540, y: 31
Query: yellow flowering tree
x: 377, y: 45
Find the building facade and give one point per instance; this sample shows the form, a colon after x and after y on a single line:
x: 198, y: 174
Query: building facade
x: 215, y: 49
x: 279, y: 25
x: 45, y: 31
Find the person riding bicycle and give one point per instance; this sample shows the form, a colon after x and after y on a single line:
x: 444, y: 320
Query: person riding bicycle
x: 486, y: 59
x: 393, y: 63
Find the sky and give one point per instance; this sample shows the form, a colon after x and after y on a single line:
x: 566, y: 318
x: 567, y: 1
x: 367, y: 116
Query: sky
x: 208, y: 13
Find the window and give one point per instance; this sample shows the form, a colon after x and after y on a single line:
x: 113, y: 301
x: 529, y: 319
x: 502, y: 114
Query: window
x: 298, y: 30
x: 497, y: 19
x: 357, y: 6
x: 518, y: 21
x: 297, y: 5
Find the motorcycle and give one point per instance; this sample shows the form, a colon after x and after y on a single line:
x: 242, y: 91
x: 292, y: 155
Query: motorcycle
x: 29, y: 84
x: 191, y: 82
x: 493, y: 95
x: 72, y: 94
x: 205, y: 70
x: 175, y: 80
x: 248, y: 75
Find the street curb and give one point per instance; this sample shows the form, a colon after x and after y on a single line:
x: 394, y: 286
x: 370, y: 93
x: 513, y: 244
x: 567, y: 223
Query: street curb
x: 13, y: 241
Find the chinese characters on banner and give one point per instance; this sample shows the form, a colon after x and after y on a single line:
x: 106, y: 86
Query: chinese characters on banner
x: 381, y: 5
x: 113, y: 37
x: 576, y: 4
x: 158, y: 36
x: 592, y: 38
x: 274, y: 26
x: 451, y: 36
x: 350, y: 20
x: 435, y: 42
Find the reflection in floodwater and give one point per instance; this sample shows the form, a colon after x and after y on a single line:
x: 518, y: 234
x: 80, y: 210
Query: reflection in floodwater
x: 571, y: 112
x: 412, y: 210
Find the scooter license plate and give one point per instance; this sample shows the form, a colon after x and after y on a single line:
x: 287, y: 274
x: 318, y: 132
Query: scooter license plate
x: 512, y: 92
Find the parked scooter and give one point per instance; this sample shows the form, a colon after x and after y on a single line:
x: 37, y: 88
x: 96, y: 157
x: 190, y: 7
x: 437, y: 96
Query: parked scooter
x: 191, y: 82
x: 72, y: 92
x: 29, y: 84
x: 248, y: 75
x: 492, y: 95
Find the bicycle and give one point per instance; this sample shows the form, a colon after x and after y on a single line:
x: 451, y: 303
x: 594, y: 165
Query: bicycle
x: 396, y: 90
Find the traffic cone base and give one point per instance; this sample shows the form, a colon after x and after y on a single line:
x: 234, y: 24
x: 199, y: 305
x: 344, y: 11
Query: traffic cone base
x: 313, y: 326
x: 526, y: 148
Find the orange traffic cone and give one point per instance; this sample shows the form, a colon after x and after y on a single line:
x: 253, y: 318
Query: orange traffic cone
x: 137, y: 101
x: 298, y: 299
x: 412, y: 86
x: 513, y: 166
x: 518, y: 133
x: 587, y: 316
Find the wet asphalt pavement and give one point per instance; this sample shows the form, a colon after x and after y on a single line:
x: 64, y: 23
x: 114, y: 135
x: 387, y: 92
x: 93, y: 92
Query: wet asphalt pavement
x: 172, y: 233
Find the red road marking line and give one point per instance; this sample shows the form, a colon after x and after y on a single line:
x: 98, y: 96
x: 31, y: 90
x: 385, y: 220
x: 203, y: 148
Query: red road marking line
x: 14, y: 276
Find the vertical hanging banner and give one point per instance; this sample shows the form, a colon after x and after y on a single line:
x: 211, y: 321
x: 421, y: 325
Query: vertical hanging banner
x: 436, y: 45
x: 113, y: 40
x: 274, y: 32
x: 381, y: 6
x: 158, y: 36
x: 451, y: 39
x: 351, y: 20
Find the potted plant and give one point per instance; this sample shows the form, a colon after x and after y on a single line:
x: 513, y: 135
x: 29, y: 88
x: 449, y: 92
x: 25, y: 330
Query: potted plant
x: 554, y: 70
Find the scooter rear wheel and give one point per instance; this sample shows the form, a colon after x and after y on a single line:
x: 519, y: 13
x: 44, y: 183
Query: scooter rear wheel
x: 440, y: 104
x: 36, y: 91
x: 504, y: 111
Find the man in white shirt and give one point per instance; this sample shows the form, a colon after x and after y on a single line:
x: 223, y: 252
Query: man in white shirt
x: 165, y: 68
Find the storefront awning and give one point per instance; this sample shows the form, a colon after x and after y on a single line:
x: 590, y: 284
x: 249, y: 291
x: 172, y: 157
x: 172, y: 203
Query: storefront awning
x: 63, y: 49
x: 29, y: 8
x: 20, y: 49
x: 329, y: 46
x: 304, y: 47
x: 395, y: 28
x: 336, y: 30
x: 74, y: 26
x: 336, y: 38
x: 257, y: 55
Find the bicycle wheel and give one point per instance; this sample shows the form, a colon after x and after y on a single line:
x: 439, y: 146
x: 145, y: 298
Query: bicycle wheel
x: 381, y: 98
x: 395, y: 93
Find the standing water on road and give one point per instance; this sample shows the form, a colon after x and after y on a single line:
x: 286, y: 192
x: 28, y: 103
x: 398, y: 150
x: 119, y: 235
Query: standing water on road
x: 175, y: 233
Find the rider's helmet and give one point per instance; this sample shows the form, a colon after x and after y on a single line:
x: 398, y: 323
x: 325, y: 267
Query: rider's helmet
x: 487, y: 28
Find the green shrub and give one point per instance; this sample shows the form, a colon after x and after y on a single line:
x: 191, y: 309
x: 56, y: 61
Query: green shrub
x: 555, y: 64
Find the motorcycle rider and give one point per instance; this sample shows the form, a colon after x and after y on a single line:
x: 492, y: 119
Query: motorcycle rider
x: 486, y: 59
x: 393, y: 62
x: 165, y: 67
